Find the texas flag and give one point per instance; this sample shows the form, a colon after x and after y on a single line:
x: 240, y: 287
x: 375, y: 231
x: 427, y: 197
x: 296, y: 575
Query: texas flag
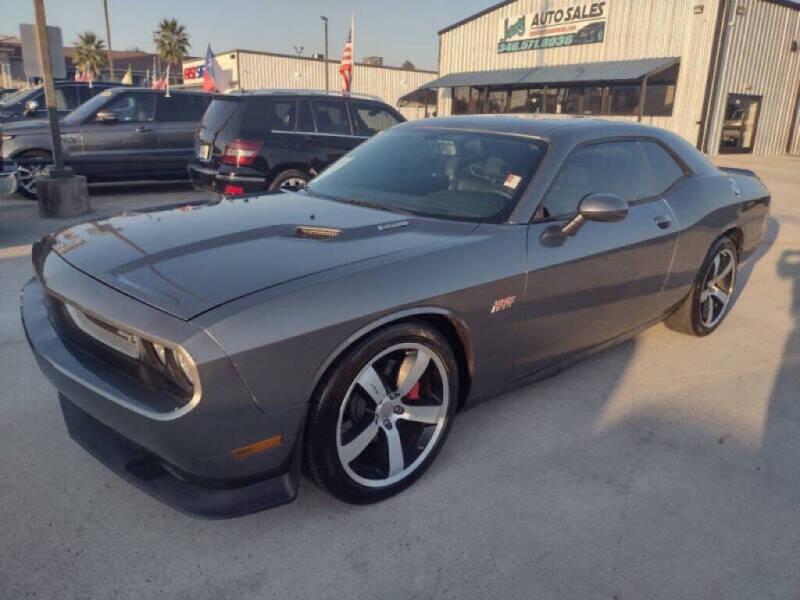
x: 209, y: 72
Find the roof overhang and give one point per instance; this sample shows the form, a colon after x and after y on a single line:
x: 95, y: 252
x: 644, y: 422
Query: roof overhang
x: 615, y: 70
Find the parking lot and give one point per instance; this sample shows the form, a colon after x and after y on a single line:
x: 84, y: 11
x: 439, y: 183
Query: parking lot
x: 667, y: 467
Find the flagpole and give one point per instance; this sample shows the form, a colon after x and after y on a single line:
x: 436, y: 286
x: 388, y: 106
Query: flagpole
x: 353, y: 43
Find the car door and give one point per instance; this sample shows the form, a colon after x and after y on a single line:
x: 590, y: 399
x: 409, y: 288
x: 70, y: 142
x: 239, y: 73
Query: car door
x: 125, y: 143
x: 177, y: 117
x: 334, y: 133
x: 608, y: 278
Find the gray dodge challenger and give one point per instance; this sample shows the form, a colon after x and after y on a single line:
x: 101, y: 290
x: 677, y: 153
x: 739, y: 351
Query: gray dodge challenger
x: 211, y: 352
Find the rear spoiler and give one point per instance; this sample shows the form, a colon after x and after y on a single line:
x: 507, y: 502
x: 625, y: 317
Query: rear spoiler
x: 735, y: 171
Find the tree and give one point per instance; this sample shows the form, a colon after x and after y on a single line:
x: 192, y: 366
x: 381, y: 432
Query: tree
x: 408, y: 65
x: 172, y: 42
x: 89, y: 53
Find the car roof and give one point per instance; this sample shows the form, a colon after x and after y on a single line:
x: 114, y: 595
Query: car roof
x: 311, y: 93
x: 547, y: 127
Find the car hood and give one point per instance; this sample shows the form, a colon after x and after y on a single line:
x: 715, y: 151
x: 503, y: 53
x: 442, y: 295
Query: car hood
x: 188, y: 259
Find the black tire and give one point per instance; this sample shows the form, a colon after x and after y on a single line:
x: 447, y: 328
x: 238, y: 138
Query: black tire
x: 322, y: 460
x: 284, y: 177
x: 27, y: 163
x: 689, y: 318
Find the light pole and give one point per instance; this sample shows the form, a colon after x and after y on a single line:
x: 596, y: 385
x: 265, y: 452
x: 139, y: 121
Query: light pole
x: 108, y: 48
x: 325, y: 19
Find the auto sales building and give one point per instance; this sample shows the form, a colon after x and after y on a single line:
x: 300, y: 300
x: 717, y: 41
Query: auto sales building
x: 724, y: 74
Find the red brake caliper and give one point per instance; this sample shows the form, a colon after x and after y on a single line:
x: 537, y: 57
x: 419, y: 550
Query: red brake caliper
x: 413, y: 393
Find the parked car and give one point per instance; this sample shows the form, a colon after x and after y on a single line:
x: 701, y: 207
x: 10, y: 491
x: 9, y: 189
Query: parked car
x: 120, y: 134
x: 265, y: 140
x: 8, y: 177
x: 29, y: 103
x: 204, y: 351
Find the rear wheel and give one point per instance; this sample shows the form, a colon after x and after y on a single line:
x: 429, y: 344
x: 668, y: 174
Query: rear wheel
x: 29, y: 166
x: 291, y: 179
x: 382, y: 415
x: 709, y: 301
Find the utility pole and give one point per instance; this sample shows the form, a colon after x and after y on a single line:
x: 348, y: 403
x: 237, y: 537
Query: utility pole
x: 326, y: 52
x: 61, y: 193
x: 108, y: 48
x: 46, y: 68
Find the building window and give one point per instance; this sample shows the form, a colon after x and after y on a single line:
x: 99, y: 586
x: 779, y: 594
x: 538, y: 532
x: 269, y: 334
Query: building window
x: 466, y: 101
x: 624, y: 99
x: 593, y: 100
x: 496, y: 101
x: 660, y: 95
x: 526, y: 100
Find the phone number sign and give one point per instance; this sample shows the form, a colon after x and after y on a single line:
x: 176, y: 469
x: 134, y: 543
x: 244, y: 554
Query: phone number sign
x: 589, y: 34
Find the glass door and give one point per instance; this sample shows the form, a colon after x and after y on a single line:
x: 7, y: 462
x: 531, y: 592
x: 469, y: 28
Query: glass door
x: 740, y: 124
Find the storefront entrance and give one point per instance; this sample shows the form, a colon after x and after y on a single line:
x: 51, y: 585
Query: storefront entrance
x: 740, y: 124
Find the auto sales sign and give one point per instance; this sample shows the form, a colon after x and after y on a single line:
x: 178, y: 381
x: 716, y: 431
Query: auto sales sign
x: 577, y: 23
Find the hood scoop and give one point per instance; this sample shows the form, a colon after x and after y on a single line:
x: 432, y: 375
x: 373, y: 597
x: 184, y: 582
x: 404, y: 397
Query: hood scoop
x: 312, y: 232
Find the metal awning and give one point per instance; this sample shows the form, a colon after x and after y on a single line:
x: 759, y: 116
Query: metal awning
x: 421, y: 97
x: 615, y: 70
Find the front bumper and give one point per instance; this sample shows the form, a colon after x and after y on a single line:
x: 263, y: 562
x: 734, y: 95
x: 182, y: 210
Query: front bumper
x: 186, y: 461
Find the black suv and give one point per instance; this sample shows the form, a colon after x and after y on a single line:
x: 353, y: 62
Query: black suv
x: 29, y: 103
x: 121, y: 133
x: 265, y: 140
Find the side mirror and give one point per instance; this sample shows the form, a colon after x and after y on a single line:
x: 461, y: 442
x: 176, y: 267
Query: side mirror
x: 31, y: 106
x: 602, y: 208
x: 105, y: 117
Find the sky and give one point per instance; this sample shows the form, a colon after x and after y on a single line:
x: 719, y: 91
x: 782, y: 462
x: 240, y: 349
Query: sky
x: 398, y: 31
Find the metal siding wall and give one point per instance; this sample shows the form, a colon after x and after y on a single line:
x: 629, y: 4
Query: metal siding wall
x: 758, y: 61
x: 261, y: 71
x: 635, y: 29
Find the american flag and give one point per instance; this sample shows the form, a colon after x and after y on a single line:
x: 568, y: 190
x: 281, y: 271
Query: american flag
x: 346, y: 66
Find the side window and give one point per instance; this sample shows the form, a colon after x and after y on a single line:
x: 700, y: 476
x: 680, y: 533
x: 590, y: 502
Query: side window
x: 181, y: 107
x: 608, y: 167
x: 305, y: 120
x: 281, y: 115
x: 665, y: 170
x: 132, y: 108
x: 371, y: 118
x: 66, y: 97
x: 331, y: 116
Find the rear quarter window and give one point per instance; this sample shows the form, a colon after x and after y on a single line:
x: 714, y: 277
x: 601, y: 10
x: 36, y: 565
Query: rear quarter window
x: 222, y: 113
x: 665, y: 170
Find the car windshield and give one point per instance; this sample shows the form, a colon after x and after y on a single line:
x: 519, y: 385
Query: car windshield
x: 444, y: 173
x: 18, y: 96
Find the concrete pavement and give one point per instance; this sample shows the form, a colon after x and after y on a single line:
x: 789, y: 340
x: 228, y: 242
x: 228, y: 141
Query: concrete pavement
x: 668, y: 467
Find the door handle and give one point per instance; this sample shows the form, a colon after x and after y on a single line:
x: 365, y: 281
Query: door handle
x: 143, y: 129
x: 663, y: 221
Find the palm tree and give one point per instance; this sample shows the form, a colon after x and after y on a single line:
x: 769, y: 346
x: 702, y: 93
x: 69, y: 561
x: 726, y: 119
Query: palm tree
x: 172, y: 42
x: 89, y: 53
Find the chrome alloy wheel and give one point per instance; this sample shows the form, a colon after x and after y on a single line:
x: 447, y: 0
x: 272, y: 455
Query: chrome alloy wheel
x: 393, y: 415
x: 27, y: 177
x: 293, y: 183
x: 717, y: 288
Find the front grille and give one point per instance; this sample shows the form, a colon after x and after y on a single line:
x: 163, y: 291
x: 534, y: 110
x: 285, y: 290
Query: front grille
x: 118, y: 351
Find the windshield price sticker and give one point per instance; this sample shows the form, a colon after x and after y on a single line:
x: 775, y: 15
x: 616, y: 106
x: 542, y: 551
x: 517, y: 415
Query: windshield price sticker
x: 512, y: 181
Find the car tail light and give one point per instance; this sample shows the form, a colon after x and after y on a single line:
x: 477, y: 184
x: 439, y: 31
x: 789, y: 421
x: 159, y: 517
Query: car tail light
x: 233, y: 189
x: 241, y: 152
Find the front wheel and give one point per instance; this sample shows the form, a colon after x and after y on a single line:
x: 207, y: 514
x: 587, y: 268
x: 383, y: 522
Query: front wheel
x: 382, y: 415
x: 29, y: 166
x: 709, y: 301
